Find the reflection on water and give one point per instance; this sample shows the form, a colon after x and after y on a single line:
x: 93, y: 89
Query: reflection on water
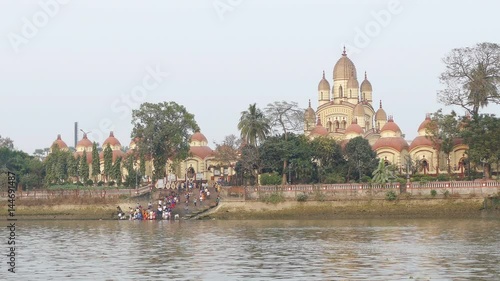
x: 259, y: 250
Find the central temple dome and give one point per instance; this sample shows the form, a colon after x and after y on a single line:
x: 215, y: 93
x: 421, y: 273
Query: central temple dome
x: 344, y: 68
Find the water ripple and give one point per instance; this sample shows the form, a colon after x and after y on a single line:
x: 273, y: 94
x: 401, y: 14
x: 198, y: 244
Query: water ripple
x: 259, y: 250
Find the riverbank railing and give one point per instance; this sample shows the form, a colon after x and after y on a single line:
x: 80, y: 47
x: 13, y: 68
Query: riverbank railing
x: 454, y: 187
x: 88, y: 192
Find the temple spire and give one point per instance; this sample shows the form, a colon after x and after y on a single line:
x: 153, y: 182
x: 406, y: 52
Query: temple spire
x: 309, y: 102
x: 344, y: 53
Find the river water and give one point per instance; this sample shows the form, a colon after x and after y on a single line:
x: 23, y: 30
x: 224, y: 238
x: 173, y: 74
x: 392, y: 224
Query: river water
x: 454, y: 249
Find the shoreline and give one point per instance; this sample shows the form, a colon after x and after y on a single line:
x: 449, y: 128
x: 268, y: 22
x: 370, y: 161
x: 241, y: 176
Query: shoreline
x: 253, y: 210
x: 354, y: 209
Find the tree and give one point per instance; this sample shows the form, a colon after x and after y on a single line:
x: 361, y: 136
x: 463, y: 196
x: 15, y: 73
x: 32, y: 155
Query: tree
x: 96, y: 165
x: 472, y: 77
x: 56, y: 166
x: 254, y: 126
x: 36, y: 172
x: 12, y: 160
x: 61, y: 165
x: 39, y: 153
x: 72, y: 166
x: 29, y: 181
x: 384, y: 173
x: 142, y: 164
x: 116, y: 173
x: 228, y: 151
x: 275, y: 150
x: 482, y: 135
x: 443, y: 130
x: 165, y: 130
x: 78, y: 160
x: 6, y: 142
x: 108, y: 161
x: 327, y: 153
x: 248, y: 166
x: 131, y: 178
x: 285, y: 117
x: 84, y: 167
x: 29, y: 170
x: 361, y: 159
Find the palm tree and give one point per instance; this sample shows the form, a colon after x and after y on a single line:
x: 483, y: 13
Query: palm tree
x: 253, y: 125
x: 481, y: 87
x: 383, y: 173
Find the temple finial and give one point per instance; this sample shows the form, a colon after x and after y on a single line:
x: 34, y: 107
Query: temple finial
x: 323, y: 74
x: 309, y: 102
x: 365, y: 76
x: 380, y: 103
x: 344, y: 53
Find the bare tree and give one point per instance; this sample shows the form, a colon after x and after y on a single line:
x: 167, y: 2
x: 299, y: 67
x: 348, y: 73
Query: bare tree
x: 472, y: 77
x: 6, y: 142
x: 285, y: 117
x: 228, y: 151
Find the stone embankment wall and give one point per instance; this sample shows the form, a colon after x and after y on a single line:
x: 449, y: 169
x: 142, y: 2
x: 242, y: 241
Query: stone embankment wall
x: 323, y: 192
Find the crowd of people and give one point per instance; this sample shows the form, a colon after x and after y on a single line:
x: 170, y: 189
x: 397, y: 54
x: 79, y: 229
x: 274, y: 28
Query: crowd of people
x: 166, y: 205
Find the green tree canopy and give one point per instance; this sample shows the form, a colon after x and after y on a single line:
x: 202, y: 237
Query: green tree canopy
x: 443, y: 131
x: 275, y: 150
x: 285, y: 118
x: 482, y: 135
x: 29, y: 170
x: 108, y: 161
x: 56, y: 166
x: 361, y: 159
x: 73, y: 166
x: 84, y: 168
x: 96, y: 165
x: 327, y: 153
x: 164, y: 131
x: 116, y: 172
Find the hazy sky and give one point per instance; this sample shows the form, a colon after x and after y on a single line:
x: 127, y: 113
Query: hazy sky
x: 63, y: 61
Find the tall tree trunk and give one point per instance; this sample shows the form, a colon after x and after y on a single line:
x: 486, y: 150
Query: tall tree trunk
x: 437, y: 163
x: 487, y: 171
x: 283, y: 178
